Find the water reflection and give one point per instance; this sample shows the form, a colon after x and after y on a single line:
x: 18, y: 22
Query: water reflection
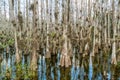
x: 99, y: 76
x: 90, y: 68
x: 82, y: 73
x: 42, y: 68
x: 9, y: 62
x: 13, y: 75
x: 77, y: 72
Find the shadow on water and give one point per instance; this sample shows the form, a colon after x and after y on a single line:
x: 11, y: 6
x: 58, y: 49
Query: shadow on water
x: 49, y: 69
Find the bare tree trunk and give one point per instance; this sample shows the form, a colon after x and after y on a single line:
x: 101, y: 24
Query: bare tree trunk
x: 4, y: 9
x: 35, y: 43
x: 114, y: 35
x: 65, y: 58
x: 48, y: 55
x: 11, y: 13
x: 19, y: 27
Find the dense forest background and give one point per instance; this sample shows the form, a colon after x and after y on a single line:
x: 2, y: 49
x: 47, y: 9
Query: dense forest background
x: 83, y: 32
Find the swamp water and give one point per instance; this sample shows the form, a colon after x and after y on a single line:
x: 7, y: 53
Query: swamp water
x: 49, y: 69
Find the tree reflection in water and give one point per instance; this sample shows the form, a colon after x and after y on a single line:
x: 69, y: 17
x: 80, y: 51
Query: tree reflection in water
x: 76, y: 72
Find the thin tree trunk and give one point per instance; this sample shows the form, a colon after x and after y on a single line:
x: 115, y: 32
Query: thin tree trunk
x: 48, y: 55
x: 114, y: 35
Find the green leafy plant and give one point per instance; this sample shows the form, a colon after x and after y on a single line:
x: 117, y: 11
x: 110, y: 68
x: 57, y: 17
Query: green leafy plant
x: 5, y: 41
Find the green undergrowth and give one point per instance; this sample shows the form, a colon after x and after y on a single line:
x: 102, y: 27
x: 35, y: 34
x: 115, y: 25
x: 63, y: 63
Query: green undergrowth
x: 23, y: 72
x: 6, y: 41
x: 117, y: 70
